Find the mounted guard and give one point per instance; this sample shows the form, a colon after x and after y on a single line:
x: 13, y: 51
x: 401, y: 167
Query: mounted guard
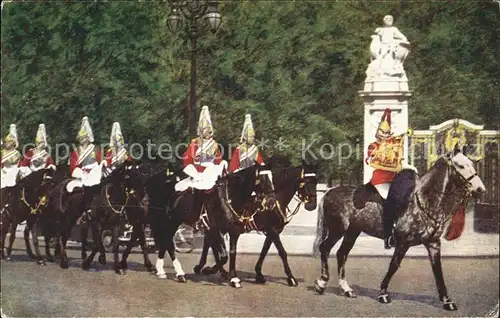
x: 37, y: 158
x: 116, y: 154
x: 10, y: 161
x: 385, y: 155
x: 203, y: 161
x: 247, y: 153
x: 85, y: 167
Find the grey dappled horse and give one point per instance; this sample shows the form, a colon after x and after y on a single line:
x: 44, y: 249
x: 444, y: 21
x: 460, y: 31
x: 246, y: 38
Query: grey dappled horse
x: 431, y: 203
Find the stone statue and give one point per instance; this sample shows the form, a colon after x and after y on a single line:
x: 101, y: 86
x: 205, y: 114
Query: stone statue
x: 389, y: 48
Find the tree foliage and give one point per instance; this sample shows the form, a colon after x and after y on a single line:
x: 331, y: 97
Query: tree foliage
x: 296, y: 66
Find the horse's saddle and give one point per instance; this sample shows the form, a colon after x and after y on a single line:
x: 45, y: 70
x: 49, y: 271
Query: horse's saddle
x: 365, y: 193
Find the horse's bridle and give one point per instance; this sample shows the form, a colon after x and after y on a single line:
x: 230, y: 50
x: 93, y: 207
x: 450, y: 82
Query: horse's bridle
x: 41, y: 201
x: 301, y: 194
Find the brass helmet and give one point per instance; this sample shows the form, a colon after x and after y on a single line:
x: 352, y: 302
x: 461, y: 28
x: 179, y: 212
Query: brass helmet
x: 41, y: 136
x: 205, y: 122
x: 384, y: 127
x: 11, y: 138
x: 248, y: 131
x: 116, y: 138
x: 85, y: 131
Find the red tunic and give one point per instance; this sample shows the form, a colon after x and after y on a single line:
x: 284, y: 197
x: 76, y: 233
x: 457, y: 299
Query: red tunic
x: 88, y: 157
x: 197, y: 154
x: 243, y: 159
x: 379, y: 176
x: 43, y: 160
x: 120, y: 158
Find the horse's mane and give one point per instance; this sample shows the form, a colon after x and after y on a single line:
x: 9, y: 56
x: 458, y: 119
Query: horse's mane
x: 33, y: 177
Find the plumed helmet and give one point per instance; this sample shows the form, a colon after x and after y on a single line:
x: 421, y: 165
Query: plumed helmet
x: 205, y: 121
x: 116, y: 135
x: 85, y: 130
x: 12, y: 136
x: 248, y: 130
x: 385, y: 123
x: 41, y: 136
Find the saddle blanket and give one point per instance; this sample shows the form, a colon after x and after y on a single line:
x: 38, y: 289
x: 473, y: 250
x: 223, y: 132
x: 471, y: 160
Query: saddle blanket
x: 200, y: 180
x: 76, y: 183
x: 9, y: 176
x: 90, y: 178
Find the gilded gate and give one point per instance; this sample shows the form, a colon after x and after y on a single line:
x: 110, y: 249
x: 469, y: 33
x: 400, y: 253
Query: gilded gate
x: 425, y: 146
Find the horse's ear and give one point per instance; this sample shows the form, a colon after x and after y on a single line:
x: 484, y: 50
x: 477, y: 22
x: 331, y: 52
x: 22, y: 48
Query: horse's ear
x: 267, y: 165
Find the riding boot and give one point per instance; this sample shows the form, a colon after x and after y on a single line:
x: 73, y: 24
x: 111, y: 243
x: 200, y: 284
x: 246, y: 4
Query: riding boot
x: 85, y: 205
x: 388, y: 225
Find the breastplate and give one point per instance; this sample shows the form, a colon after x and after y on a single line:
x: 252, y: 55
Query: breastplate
x: 90, y: 159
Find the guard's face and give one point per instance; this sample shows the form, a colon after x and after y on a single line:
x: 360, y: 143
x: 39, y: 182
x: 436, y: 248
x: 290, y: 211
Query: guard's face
x: 9, y: 144
x: 119, y: 141
x: 207, y: 133
x: 388, y: 21
x: 383, y: 134
x: 84, y: 140
x: 250, y: 140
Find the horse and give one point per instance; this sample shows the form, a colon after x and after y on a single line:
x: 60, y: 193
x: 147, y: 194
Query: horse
x: 301, y: 180
x: 426, y: 206
x: 168, y: 210
x: 28, y: 198
x: 63, y: 212
x: 122, y: 192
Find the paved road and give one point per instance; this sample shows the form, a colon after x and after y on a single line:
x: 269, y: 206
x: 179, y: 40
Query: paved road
x: 31, y: 290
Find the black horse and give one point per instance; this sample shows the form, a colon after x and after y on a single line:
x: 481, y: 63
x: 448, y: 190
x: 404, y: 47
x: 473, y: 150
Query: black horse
x: 301, y: 180
x: 168, y: 210
x: 60, y: 216
x: 432, y: 202
x: 122, y: 193
x: 26, y: 203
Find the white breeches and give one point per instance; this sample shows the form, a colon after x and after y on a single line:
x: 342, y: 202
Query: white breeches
x: 201, y: 180
x: 383, y: 189
x: 24, y: 172
x: 87, y: 179
x: 409, y: 166
x: 9, y: 176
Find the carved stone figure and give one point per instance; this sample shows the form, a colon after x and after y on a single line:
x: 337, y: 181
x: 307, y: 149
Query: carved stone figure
x: 389, y: 48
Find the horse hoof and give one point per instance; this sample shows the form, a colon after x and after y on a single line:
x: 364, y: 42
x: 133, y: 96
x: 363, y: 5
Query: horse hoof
x: 120, y: 271
x: 50, y: 259
x: 450, y: 306
x: 41, y: 262
x: 161, y: 276
x: 207, y: 271
x: 224, y: 274
x: 64, y: 265
x: 85, y: 266
x: 384, y: 298
x: 317, y: 288
x: 235, y: 282
x: 292, y: 282
x: 259, y: 279
x: 150, y: 268
x: 102, y: 260
x: 350, y: 294
x: 181, y: 279
x: 197, y: 269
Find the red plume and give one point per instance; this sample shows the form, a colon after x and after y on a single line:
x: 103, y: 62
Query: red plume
x: 387, y: 116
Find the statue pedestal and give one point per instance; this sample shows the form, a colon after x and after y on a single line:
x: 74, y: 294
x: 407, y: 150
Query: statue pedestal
x: 378, y: 95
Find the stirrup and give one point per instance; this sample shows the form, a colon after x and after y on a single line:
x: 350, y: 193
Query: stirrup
x: 389, y: 242
x: 85, y: 217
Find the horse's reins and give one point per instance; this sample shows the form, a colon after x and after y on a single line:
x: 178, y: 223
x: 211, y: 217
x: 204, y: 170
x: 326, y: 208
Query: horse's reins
x: 242, y: 218
x: 288, y: 215
x: 41, y: 202
x: 466, y: 194
x: 128, y: 194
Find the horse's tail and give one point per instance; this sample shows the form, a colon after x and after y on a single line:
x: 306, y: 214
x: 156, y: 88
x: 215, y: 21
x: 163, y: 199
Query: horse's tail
x: 321, y: 228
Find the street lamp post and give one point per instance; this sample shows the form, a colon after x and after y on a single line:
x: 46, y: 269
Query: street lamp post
x: 193, y: 11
